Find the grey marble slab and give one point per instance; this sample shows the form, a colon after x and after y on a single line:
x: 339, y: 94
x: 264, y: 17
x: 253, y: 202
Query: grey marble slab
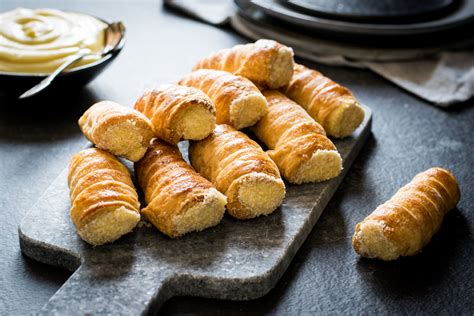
x: 238, y: 260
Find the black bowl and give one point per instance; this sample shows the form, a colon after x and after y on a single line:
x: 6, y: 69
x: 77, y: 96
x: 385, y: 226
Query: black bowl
x: 14, y: 84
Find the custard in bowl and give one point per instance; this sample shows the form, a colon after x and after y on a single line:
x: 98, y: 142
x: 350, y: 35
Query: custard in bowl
x: 33, y: 43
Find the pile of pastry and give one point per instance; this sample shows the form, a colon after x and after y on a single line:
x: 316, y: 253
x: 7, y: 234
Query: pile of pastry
x: 289, y: 108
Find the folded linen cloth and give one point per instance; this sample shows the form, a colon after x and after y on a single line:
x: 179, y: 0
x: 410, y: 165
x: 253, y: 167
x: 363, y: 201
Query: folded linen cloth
x: 442, y: 75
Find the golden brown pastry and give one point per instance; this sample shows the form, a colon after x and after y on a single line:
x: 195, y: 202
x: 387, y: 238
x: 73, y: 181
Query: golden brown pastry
x: 266, y: 63
x: 296, y: 142
x: 104, y: 201
x: 122, y: 131
x: 178, y: 112
x: 179, y: 199
x: 403, y: 225
x: 238, y: 101
x: 330, y: 104
x: 241, y: 170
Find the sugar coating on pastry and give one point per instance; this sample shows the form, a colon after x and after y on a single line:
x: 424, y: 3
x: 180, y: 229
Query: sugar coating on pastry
x: 125, y: 139
x: 345, y: 119
x: 238, y: 101
x: 255, y: 194
x: 322, y: 165
x: 179, y: 199
x: 403, y: 225
x: 109, y: 225
x: 240, y: 169
x: 104, y: 203
x: 247, y: 110
x: 178, y: 112
x: 196, y: 123
x: 206, y: 210
x: 370, y: 240
x: 330, y: 104
x: 121, y: 131
x: 266, y: 63
x: 204, y: 214
x: 309, y: 158
x: 281, y: 68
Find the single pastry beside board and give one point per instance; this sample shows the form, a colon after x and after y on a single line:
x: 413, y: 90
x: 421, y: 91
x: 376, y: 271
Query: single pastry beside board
x: 403, y: 225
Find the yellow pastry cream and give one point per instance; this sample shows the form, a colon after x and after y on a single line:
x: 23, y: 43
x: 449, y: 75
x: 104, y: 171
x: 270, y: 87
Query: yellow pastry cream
x: 38, y: 41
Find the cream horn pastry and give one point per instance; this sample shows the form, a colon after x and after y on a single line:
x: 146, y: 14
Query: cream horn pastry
x: 266, y: 63
x: 296, y: 142
x: 104, y: 203
x: 241, y: 170
x: 330, y: 104
x: 403, y: 225
x: 178, y: 112
x: 179, y: 200
x: 238, y: 101
x: 120, y: 130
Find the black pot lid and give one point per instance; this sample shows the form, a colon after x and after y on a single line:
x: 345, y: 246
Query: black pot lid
x: 461, y: 14
x: 374, y: 10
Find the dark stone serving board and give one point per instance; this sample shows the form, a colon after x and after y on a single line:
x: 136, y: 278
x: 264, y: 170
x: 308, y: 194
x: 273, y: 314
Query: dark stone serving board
x: 237, y: 260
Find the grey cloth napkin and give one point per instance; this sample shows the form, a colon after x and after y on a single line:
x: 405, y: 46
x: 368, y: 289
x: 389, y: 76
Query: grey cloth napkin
x: 441, y: 75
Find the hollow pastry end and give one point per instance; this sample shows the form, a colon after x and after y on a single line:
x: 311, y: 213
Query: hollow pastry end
x: 345, y: 119
x: 196, y: 122
x: 109, y: 225
x: 126, y: 139
x: 247, y: 110
x: 370, y: 241
x: 322, y: 165
x: 281, y: 68
x: 256, y: 194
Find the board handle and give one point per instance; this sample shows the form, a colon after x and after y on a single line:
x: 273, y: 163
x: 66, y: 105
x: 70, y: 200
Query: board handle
x: 105, y: 290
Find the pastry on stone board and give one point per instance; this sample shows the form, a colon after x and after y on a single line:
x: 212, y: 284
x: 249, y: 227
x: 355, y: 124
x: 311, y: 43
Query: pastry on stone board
x: 296, y: 142
x: 178, y: 112
x: 179, y: 200
x: 266, y: 63
x: 120, y: 130
x: 104, y: 203
x: 241, y: 170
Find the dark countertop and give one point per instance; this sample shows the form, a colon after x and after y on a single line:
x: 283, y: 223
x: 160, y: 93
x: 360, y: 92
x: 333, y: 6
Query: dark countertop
x: 409, y: 136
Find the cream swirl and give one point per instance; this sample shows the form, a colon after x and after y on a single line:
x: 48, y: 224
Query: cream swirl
x: 38, y: 41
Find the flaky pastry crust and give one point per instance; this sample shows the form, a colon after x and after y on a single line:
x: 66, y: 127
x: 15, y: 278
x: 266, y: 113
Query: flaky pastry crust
x: 266, y: 63
x: 179, y: 200
x: 330, y: 104
x: 403, y: 225
x: 241, y: 170
x: 238, y: 101
x: 120, y: 130
x: 104, y: 203
x: 178, y: 112
x: 296, y: 142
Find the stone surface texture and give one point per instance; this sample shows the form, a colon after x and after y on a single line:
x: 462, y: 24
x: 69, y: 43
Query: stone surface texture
x: 325, y: 276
